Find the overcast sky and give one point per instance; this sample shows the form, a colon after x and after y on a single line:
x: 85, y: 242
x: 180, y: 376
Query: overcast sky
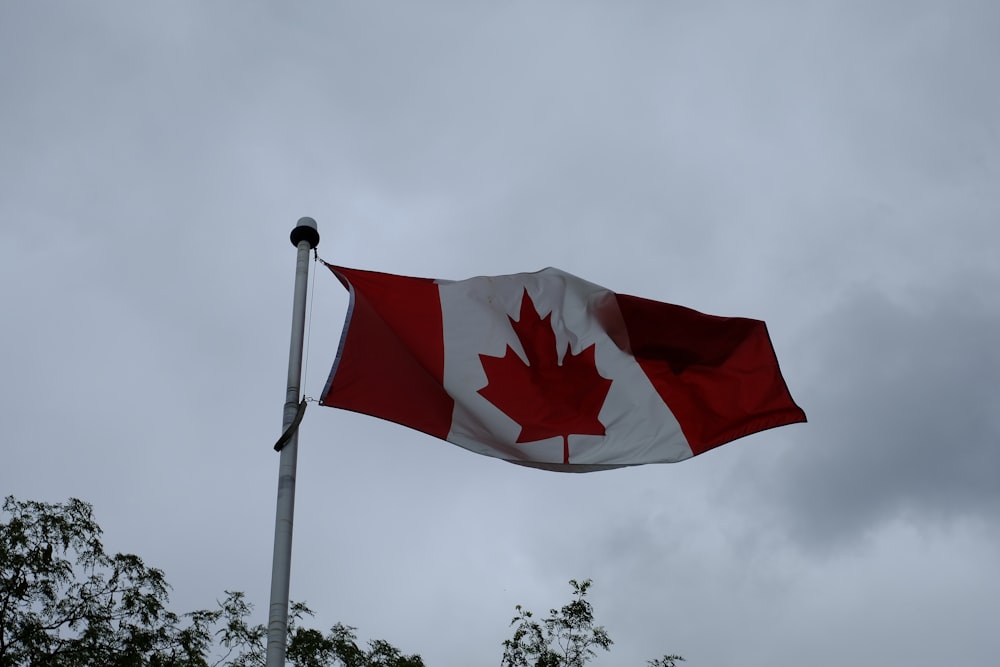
x: 829, y: 167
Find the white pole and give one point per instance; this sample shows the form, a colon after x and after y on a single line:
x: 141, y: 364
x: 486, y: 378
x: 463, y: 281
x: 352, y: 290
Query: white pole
x: 304, y: 237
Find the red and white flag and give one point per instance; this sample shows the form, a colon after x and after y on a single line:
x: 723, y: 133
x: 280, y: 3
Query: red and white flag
x: 551, y: 371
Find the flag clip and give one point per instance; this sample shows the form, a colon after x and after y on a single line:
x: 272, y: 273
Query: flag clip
x: 292, y: 428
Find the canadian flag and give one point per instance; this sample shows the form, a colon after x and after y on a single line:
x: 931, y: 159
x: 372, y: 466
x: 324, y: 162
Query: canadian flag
x: 548, y: 370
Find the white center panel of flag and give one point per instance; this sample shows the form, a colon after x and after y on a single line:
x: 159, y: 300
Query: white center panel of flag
x: 639, y: 427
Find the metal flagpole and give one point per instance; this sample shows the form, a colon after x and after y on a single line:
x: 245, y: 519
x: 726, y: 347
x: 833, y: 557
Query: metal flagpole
x: 304, y: 237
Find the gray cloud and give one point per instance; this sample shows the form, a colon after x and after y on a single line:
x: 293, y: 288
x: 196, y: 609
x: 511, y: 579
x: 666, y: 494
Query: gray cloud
x: 829, y: 167
x: 903, y: 415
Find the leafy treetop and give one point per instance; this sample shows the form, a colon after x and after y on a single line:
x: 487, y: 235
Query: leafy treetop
x: 65, y: 602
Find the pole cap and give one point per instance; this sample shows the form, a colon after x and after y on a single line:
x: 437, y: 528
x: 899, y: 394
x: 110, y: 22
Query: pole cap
x: 305, y: 230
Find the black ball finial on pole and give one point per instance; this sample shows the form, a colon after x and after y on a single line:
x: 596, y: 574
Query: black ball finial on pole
x: 305, y: 230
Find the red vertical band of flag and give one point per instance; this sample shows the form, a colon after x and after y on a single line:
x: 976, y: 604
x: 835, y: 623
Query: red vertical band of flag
x: 719, y: 375
x: 391, y: 360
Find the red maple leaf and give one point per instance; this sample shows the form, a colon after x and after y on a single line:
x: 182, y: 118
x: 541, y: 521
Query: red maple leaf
x: 545, y: 397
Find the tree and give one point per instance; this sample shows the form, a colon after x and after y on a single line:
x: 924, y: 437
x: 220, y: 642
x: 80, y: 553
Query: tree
x: 567, y: 637
x: 64, y: 602
x: 666, y: 661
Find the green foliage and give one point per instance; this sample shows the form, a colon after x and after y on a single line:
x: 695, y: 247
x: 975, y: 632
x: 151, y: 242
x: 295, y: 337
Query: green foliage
x: 666, y: 661
x: 64, y: 602
x: 566, y: 638
x: 311, y: 648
